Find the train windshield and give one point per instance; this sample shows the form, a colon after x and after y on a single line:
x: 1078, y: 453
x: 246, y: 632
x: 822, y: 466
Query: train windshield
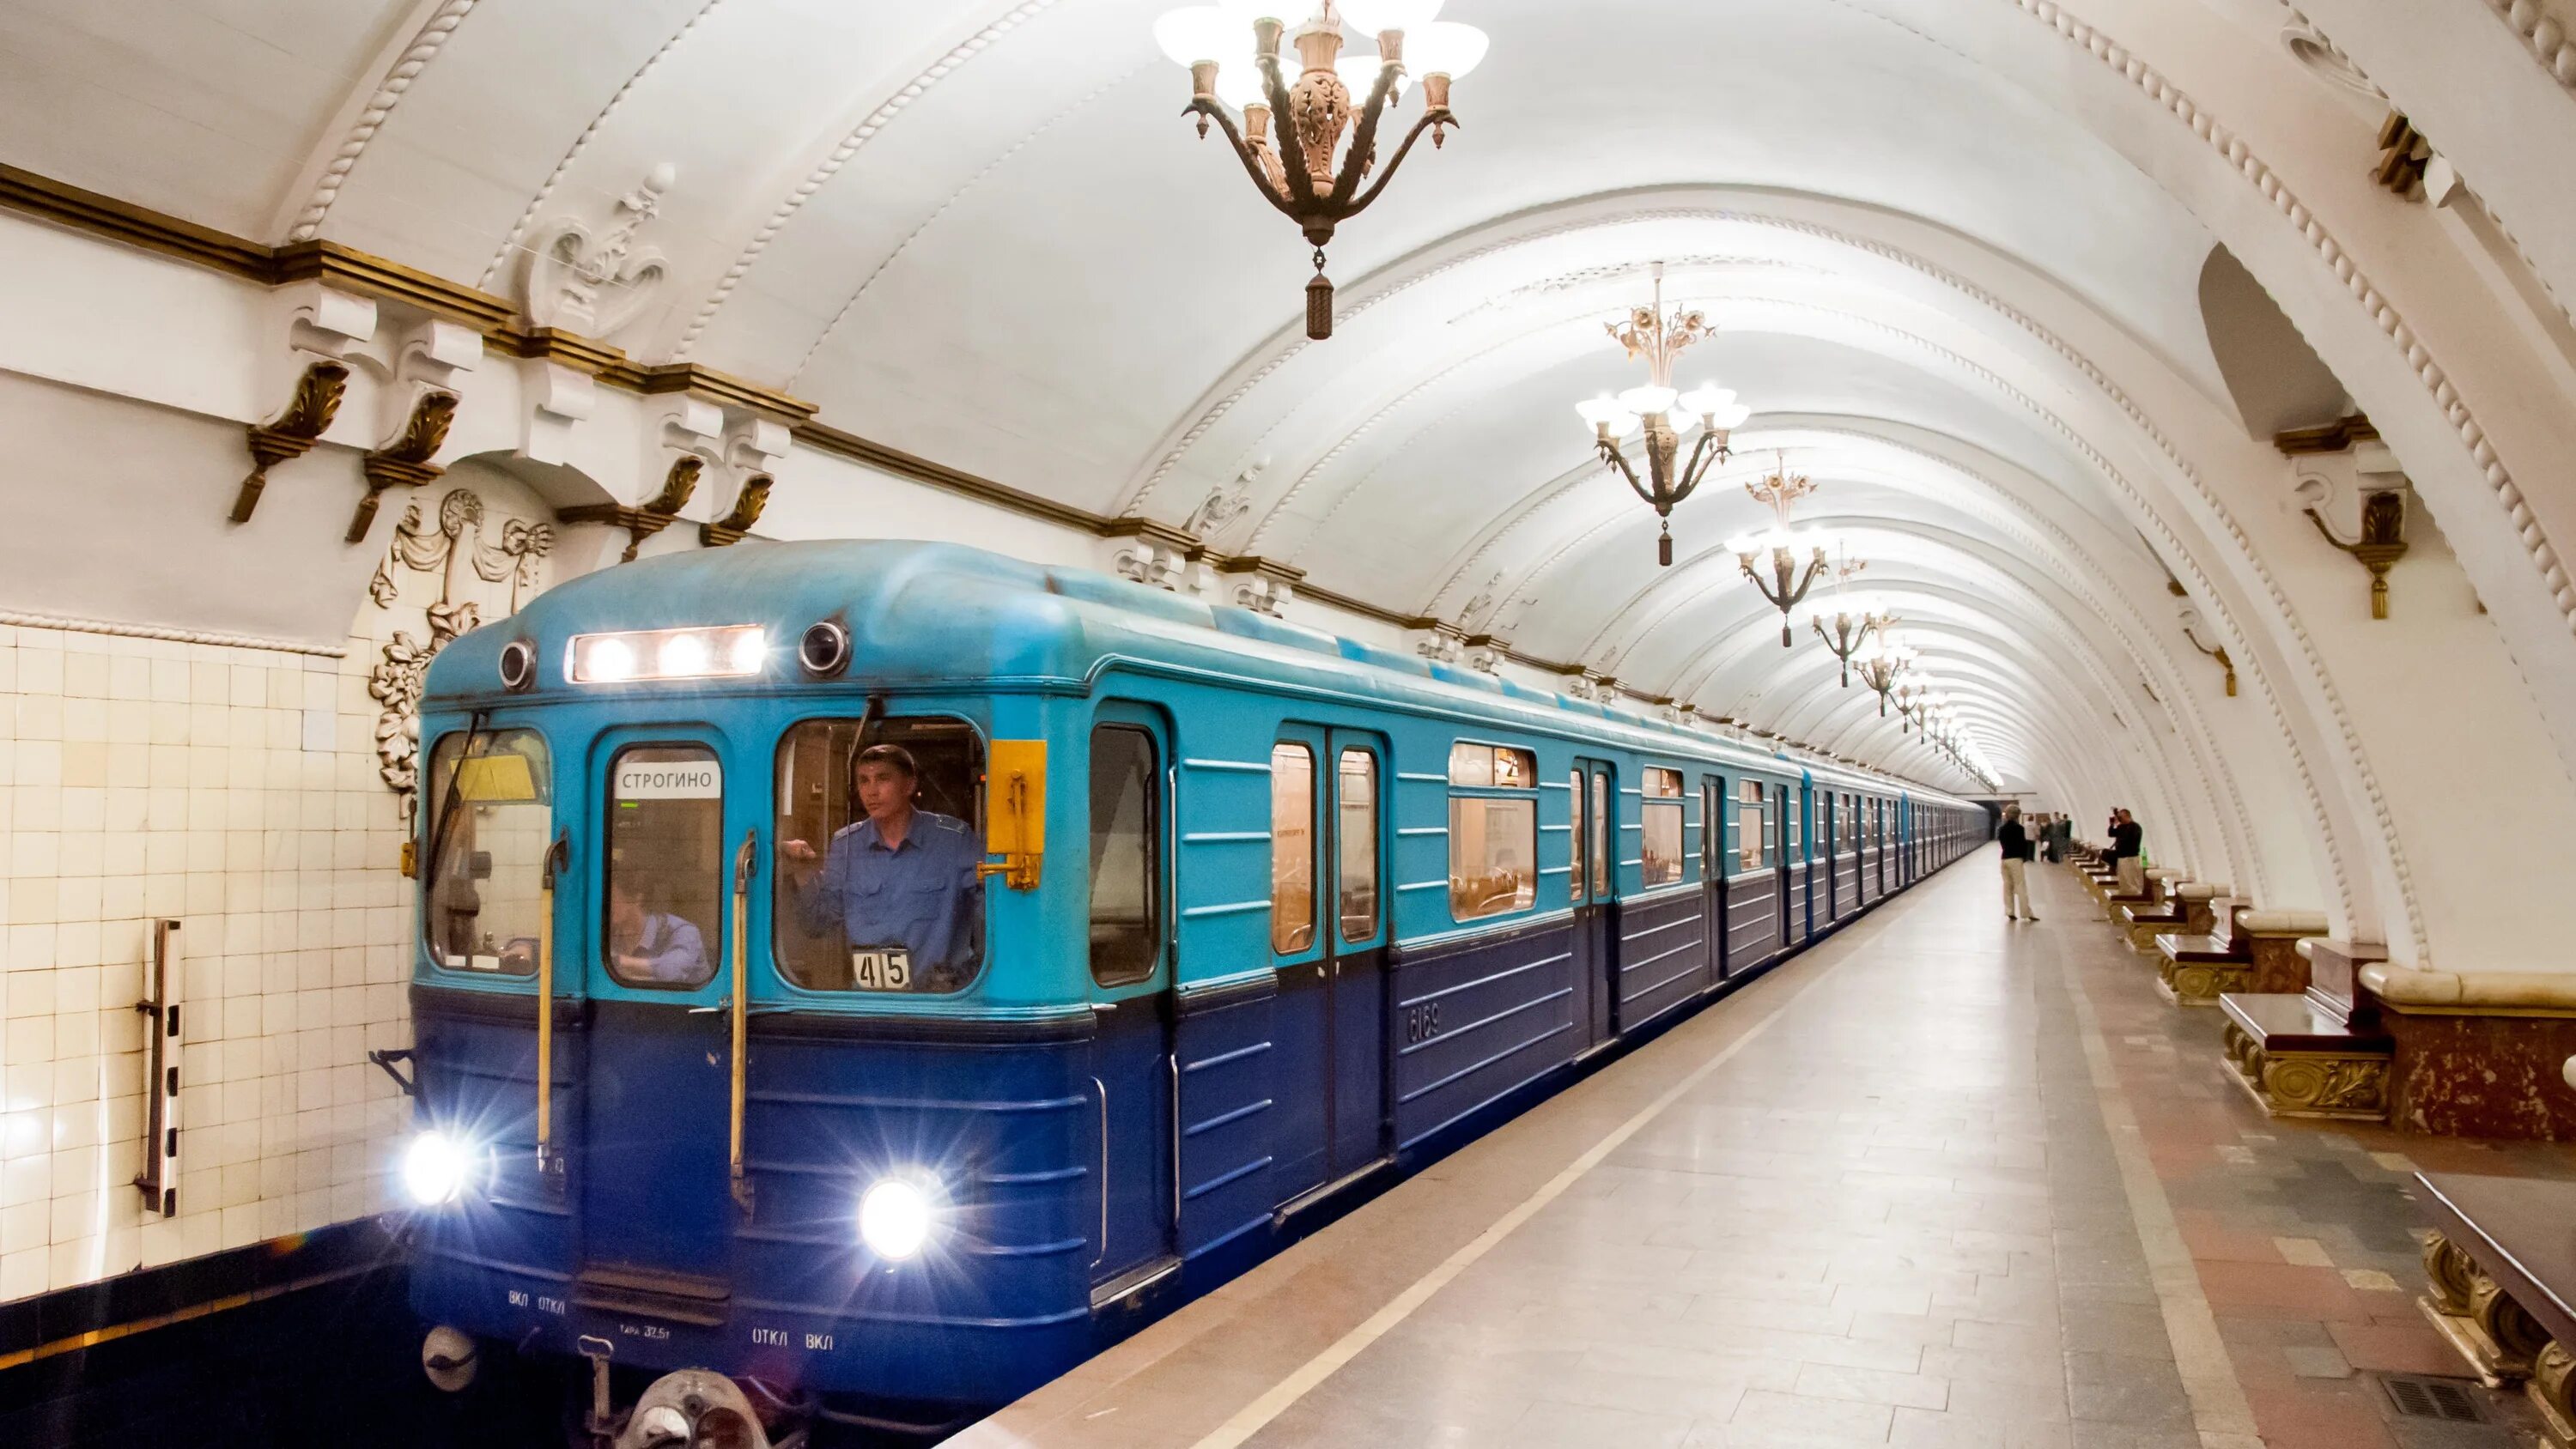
x: 880, y: 830
x: 491, y: 817
x: 666, y: 866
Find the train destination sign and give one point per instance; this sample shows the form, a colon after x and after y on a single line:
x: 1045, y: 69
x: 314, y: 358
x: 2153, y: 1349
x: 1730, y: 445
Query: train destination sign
x: 670, y: 780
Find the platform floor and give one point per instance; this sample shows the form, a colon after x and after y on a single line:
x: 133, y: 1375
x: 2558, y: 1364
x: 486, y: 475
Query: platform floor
x: 1944, y: 1181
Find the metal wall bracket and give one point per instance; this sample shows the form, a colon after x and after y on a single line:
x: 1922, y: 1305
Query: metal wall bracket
x: 2382, y: 542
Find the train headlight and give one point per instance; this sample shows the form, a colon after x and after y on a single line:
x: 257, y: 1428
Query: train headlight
x: 434, y: 1168
x: 730, y: 651
x: 895, y: 1218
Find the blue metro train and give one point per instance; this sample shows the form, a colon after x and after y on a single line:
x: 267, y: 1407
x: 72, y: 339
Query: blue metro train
x: 878, y: 971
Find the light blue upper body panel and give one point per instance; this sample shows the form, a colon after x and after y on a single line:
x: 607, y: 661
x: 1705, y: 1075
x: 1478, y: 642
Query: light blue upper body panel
x: 936, y: 617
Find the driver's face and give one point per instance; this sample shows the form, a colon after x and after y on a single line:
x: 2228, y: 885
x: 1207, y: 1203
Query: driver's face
x: 625, y: 911
x: 884, y: 791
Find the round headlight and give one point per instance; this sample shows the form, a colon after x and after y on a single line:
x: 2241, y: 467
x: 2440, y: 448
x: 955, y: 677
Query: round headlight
x: 434, y: 1169
x: 518, y: 665
x: 824, y: 650
x: 894, y: 1219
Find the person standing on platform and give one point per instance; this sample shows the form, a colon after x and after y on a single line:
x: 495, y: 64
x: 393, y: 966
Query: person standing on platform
x: 2016, y: 844
x: 2126, y: 838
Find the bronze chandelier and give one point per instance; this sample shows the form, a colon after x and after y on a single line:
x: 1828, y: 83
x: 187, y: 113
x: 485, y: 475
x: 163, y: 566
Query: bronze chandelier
x: 1232, y: 51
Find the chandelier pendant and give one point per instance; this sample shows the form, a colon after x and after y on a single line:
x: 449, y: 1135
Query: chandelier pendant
x: 1710, y: 414
x: 1308, y: 174
x: 1790, y: 579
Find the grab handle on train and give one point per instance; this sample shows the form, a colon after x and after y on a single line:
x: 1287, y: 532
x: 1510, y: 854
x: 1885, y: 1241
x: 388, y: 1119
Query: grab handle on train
x: 558, y: 860
x: 740, y: 996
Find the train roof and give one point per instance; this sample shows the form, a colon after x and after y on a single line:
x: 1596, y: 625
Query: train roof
x: 929, y: 616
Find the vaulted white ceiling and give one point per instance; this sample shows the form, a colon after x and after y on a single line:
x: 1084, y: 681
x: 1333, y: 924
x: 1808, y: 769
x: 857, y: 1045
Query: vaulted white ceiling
x: 1947, y: 254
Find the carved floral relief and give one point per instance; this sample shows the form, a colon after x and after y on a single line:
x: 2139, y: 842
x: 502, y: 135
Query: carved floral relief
x: 478, y: 566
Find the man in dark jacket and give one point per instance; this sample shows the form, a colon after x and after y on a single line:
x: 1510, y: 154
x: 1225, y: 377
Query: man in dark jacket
x: 2127, y: 839
x: 2016, y: 844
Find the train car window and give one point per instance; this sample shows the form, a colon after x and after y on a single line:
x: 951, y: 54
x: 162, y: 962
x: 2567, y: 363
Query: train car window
x: 1292, y: 848
x: 666, y: 866
x: 879, y: 832
x: 1574, y: 838
x: 1661, y: 824
x: 1126, y: 864
x: 1749, y: 830
x: 1789, y: 804
x: 1493, y: 836
x: 486, y: 880
x: 1355, y: 845
x: 1601, y: 877
x: 1495, y: 765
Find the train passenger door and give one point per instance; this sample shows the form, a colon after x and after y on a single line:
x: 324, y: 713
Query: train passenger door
x: 1713, y: 810
x: 657, y: 1211
x: 1328, y: 939
x: 1133, y: 1070
x: 1785, y: 839
x: 1594, y: 931
x: 1355, y: 1111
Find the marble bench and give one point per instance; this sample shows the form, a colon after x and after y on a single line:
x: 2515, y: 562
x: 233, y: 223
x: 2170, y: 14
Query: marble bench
x: 2501, y: 1261
x: 2318, y: 1053
x: 2164, y: 912
x: 2196, y: 968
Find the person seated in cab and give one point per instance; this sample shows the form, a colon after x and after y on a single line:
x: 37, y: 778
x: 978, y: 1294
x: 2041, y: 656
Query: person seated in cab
x: 902, y: 879
x: 649, y: 945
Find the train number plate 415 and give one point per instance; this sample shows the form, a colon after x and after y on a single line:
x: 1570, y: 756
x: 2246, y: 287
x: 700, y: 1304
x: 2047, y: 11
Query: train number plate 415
x: 889, y: 970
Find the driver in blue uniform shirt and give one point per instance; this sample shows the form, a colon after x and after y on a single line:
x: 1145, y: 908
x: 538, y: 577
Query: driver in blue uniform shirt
x: 904, y: 877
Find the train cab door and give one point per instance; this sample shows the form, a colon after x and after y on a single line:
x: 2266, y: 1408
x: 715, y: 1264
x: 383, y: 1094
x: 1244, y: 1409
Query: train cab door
x: 1134, y: 1074
x: 1595, y: 930
x: 657, y: 1209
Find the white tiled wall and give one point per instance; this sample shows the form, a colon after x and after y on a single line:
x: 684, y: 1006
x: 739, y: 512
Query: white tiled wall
x: 236, y: 791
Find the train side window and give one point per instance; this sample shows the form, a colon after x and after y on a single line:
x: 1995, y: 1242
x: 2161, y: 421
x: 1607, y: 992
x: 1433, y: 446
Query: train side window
x: 1292, y: 848
x: 1574, y: 837
x: 879, y: 834
x: 1493, y: 830
x: 1601, y: 860
x: 1126, y: 864
x: 666, y: 866
x: 1789, y: 803
x: 489, y: 825
x: 1661, y: 827
x: 1355, y: 846
x: 1749, y: 823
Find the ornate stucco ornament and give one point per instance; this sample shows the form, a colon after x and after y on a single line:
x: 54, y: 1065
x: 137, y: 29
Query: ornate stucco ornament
x: 1232, y: 52
x: 458, y: 550
x: 596, y: 284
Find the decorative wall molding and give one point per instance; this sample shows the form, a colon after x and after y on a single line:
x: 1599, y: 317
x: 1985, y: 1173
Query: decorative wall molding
x: 2550, y: 39
x: 454, y: 549
x: 509, y: 249
x: 18, y: 619
x: 594, y: 285
x: 2508, y: 495
x: 424, y: 48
